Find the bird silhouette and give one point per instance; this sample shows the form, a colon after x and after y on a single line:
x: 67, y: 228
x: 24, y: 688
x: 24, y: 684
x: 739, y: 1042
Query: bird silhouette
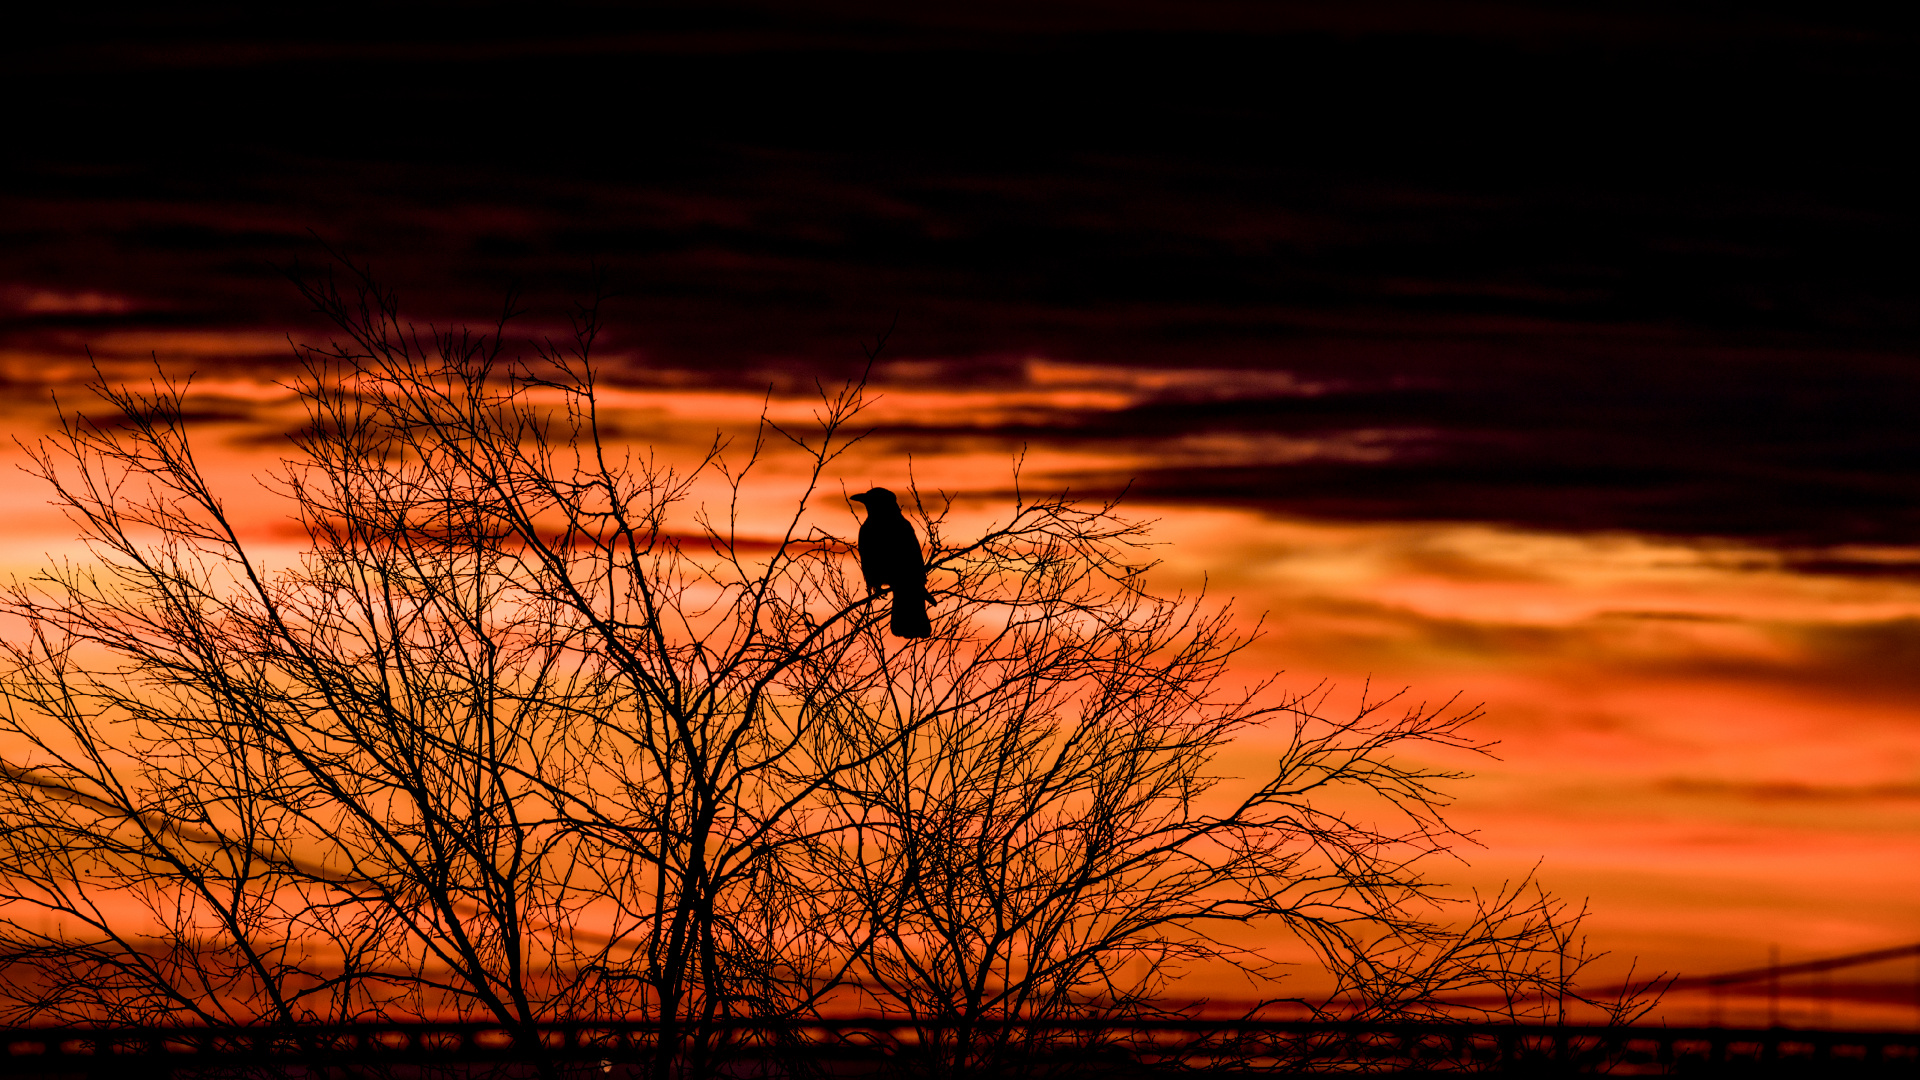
x: 890, y: 556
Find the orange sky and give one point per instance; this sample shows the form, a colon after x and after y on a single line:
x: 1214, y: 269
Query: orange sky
x: 1562, y: 360
x: 1717, y: 751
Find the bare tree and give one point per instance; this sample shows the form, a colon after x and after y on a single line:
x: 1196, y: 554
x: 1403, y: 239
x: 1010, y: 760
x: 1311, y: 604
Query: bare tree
x: 1055, y: 839
x: 528, y: 733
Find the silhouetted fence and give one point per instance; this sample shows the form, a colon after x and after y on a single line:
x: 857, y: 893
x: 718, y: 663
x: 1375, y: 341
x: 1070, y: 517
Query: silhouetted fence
x: 878, y: 1047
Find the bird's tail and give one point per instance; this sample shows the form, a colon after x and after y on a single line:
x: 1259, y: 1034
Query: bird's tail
x: 908, y: 619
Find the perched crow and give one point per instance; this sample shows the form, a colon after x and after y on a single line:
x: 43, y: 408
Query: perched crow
x: 890, y: 555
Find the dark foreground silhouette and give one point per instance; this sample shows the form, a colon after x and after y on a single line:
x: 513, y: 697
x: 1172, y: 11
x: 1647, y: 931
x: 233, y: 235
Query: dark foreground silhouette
x: 890, y: 555
x: 875, y: 1047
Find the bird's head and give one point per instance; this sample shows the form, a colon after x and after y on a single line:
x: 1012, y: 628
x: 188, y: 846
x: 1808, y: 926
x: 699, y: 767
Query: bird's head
x: 876, y: 498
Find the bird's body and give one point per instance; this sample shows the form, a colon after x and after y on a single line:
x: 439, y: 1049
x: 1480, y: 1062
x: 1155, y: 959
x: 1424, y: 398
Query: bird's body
x: 890, y: 556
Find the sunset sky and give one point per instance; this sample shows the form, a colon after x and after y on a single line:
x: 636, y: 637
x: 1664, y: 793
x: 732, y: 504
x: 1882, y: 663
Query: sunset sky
x: 1562, y: 360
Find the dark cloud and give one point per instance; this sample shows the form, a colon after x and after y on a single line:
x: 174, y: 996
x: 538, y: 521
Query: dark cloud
x: 1602, y: 269
x: 1778, y: 792
x: 1782, y: 448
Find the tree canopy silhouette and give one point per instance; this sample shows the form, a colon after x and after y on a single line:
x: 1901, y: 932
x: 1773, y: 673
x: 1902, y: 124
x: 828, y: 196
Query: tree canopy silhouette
x: 510, y: 740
